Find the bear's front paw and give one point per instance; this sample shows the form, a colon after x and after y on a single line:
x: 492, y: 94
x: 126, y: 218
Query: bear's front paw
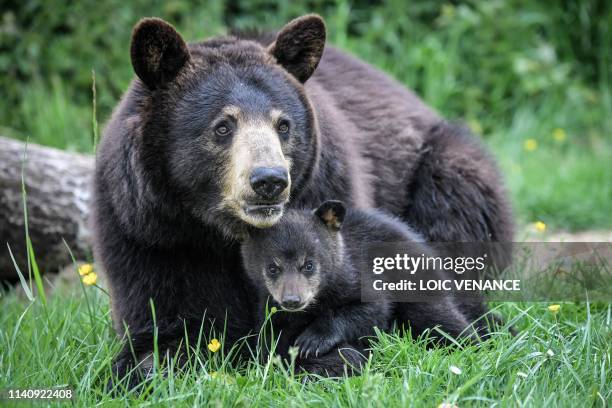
x: 314, y: 341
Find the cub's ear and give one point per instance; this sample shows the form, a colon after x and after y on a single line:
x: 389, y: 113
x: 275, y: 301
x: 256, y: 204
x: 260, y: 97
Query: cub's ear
x: 299, y: 45
x: 158, y: 52
x: 332, y: 213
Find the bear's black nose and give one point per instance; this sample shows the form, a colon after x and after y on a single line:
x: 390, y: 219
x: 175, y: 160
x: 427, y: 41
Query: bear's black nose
x: 269, y: 182
x: 291, y: 302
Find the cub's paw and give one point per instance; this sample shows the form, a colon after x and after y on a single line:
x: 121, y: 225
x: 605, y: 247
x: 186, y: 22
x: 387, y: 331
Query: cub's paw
x: 316, y: 342
x: 128, y: 377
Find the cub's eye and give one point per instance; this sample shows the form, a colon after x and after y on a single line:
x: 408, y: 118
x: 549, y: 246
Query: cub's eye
x: 283, y: 126
x: 308, y: 267
x: 222, y: 129
x: 273, y: 270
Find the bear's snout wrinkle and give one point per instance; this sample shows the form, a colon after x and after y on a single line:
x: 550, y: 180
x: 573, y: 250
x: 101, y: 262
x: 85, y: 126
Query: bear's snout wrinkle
x: 269, y: 182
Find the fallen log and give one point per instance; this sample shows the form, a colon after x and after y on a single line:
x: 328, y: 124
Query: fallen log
x: 57, y: 185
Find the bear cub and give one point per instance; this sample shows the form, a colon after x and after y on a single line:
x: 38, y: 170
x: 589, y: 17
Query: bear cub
x: 308, y: 266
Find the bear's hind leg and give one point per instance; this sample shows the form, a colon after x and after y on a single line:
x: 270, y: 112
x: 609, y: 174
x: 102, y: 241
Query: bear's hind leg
x: 457, y: 193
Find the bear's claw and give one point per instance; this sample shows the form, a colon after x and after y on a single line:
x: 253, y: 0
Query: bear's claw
x: 316, y: 342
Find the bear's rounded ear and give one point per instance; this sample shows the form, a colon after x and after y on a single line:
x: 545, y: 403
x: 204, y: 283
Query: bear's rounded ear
x: 158, y: 52
x: 299, y: 46
x: 332, y: 213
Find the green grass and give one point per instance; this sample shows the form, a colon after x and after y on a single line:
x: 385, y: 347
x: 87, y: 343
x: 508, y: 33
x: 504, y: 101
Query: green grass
x: 555, y: 360
x: 564, y: 183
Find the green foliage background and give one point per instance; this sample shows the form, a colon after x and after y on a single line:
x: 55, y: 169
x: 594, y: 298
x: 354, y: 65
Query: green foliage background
x: 512, y: 70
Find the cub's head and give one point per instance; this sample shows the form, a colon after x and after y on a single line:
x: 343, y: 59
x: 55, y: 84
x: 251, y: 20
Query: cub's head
x: 292, y: 260
x: 226, y: 123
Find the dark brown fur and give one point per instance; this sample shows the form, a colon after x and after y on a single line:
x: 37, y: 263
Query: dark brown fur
x: 361, y: 138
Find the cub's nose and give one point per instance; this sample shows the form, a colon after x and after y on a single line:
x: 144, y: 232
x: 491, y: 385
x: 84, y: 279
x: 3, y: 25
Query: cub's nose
x: 269, y: 182
x: 291, y: 302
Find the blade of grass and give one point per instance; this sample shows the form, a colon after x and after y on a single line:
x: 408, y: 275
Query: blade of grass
x: 36, y: 271
x: 32, y: 264
x: 24, y: 283
x: 76, y: 269
x: 25, y: 207
x: 94, y: 119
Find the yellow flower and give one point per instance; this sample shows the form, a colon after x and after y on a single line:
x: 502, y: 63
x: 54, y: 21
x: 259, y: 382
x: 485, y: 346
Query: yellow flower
x: 90, y: 279
x: 273, y: 310
x: 554, y: 309
x: 530, y: 145
x: 85, y: 269
x: 559, y: 135
x: 539, y: 226
x: 214, y: 345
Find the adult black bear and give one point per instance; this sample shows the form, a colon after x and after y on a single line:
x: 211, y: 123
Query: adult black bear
x: 218, y: 135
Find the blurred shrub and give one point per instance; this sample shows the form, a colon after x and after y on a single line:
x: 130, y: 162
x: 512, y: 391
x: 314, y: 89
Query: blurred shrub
x: 48, y: 50
x: 476, y: 60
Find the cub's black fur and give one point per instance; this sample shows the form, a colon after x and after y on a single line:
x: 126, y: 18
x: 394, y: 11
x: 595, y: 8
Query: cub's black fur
x: 309, y: 266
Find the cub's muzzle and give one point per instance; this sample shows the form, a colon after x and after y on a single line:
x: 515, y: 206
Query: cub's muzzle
x: 291, y: 302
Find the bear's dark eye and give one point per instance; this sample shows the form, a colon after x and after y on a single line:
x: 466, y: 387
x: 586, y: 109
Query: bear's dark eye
x: 273, y: 270
x: 283, y: 126
x: 222, y: 129
x: 308, y: 267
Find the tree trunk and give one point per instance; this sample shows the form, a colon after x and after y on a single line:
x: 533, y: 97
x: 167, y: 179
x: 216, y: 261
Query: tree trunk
x: 57, y: 185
